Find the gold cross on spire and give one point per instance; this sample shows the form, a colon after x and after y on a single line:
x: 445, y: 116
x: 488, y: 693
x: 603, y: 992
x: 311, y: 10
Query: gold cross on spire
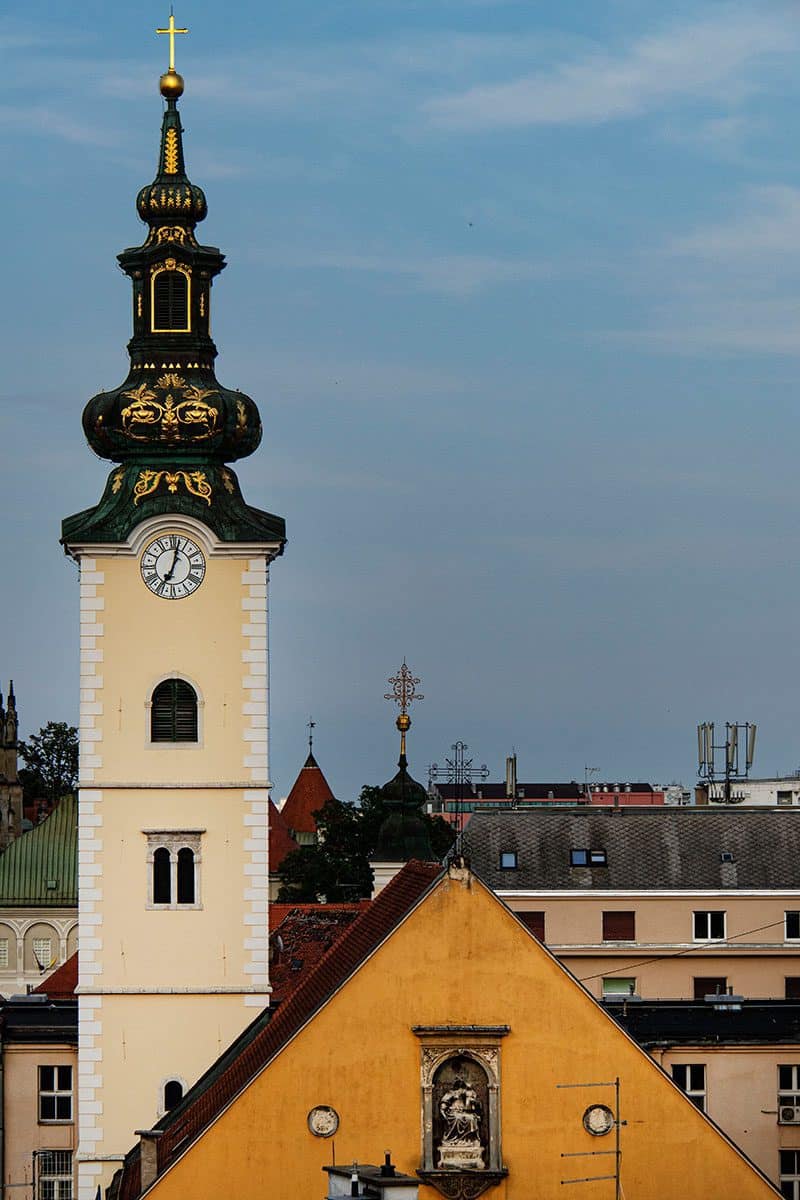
x: 171, y: 30
x: 404, y: 692
x: 404, y: 688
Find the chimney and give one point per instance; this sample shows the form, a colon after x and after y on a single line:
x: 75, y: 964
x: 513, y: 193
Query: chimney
x: 148, y: 1155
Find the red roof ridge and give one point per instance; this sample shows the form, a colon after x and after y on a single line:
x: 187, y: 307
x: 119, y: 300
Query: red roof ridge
x: 215, y: 1092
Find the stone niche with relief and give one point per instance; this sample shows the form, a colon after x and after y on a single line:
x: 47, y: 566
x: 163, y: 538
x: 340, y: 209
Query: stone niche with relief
x: 460, y: 1086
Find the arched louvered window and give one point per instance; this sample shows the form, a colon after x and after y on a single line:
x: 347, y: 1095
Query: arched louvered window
x: 173, y: 1094
x: 170, y: 302
x: 173, y: 712
x: 185, y: 876
x: 162, y: 877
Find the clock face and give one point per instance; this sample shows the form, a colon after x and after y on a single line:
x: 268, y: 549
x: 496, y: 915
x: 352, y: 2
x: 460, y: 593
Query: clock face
x: 173, y: 566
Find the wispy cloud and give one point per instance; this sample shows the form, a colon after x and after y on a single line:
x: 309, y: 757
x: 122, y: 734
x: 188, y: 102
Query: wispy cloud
x: 729, y: 285
x: 767, y: 224
x: 721, y: 137
x: 52, y: 123
x: 457, y: 275
x: 705, y: 58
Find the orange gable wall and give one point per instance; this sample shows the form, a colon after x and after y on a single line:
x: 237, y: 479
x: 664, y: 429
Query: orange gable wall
x: 460, y: 958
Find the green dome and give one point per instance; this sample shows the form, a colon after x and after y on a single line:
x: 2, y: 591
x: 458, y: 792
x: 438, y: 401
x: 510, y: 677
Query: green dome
x: 403, y: 834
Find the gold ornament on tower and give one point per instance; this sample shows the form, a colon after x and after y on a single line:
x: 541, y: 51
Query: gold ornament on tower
x: 171, y: 83
x: 404, y: 692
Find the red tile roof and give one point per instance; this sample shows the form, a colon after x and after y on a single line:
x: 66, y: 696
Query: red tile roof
x: 309, y: 794
x: 300, y: 939
x: 278, y: 912
x: 62, y: 983
x: 281, y: 841
x: 273, y: 1029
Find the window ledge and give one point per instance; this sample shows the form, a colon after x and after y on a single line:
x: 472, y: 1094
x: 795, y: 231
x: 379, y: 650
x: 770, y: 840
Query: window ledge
x: 174, y: 907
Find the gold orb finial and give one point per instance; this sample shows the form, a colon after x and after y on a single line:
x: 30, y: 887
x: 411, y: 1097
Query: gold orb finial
x: 171, y: 84
x: 171, y: 81
x: 404, y: 692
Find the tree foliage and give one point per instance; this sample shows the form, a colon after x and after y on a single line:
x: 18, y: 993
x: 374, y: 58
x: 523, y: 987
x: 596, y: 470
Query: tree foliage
x: 337, y: 868
x: 51, y: 758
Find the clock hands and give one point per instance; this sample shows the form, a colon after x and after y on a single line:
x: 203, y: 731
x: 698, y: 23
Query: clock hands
x: 171, y: 571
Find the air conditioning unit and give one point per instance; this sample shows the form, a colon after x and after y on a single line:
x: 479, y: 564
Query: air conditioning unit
x: 789, y: 1114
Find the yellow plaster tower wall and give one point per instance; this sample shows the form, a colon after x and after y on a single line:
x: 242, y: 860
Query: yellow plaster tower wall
x: 461, y: 959
x: 162, y: 992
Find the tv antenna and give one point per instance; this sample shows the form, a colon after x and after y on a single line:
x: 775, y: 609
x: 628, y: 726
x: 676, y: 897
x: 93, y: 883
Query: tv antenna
x: 458, y: 771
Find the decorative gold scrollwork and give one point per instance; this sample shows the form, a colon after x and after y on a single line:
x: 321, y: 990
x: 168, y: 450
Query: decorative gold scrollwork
x: 171, y: 152
x: 116, y: 482
x: 191, y: 418
x: 195, y: 483
x: 227, y: 481
x: 241, y: 420
x: 171, y: 233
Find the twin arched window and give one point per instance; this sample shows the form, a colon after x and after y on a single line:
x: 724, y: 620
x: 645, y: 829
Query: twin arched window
x: 174, y: 876
x: 173, y: 712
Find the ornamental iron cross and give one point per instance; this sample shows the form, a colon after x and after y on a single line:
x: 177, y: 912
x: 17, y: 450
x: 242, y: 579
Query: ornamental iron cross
x: 404, y: 688
x: 171, y: 30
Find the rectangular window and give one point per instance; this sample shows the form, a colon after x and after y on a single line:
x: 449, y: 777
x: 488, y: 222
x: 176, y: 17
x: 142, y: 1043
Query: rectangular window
x: 792, y: 920
x: 579, y: 858
x: 790, y: 1174
x: 784, y: 798
x: 535, y: 922
x: 508, y: 860
x: 43, y: 951
x: 55, y: 1093
x: 3, y: 952
x: 54, y: 1170
x: 792, y: 987
x: 709, y: 985
x: 709, y: 926
x: 597, y: 858
x: 691, y: 1079
x: 619, y: 985
x: 619, y: 926
x: 789, y: 1094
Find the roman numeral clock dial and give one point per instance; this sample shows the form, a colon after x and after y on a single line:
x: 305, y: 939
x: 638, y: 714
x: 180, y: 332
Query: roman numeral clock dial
x: 173, y: 567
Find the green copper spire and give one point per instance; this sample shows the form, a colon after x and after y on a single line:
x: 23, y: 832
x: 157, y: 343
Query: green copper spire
x: 171, y: 425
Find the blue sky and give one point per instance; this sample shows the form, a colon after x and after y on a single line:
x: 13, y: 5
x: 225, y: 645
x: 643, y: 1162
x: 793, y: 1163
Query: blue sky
x: 516, y: 287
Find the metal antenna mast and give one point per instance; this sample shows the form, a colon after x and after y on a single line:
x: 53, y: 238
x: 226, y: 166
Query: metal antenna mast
x: 720, y: 761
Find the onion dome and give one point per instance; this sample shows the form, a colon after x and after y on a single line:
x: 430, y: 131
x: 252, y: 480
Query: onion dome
x: 171, y: 424
x: 403, y: 834
x: 171, y: 197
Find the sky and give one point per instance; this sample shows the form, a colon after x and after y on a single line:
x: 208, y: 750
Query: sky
x: 516, y: 287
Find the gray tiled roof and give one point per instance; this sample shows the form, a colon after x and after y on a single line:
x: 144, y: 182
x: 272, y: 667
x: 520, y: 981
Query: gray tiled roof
x: 646, y: 848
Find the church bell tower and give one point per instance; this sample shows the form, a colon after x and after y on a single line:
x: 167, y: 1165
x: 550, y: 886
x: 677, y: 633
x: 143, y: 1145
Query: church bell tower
x: 174, y: 774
